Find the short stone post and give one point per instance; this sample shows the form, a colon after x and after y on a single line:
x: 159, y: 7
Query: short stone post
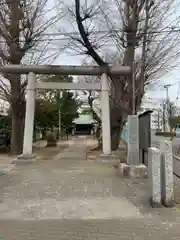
x: 167, y: 179
x: 154, y: 176
x: 133, y: 140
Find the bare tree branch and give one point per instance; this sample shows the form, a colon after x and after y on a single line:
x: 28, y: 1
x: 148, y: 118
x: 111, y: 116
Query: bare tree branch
x: 22, y: 24
x: 143, y: 32
x: 84, y: 35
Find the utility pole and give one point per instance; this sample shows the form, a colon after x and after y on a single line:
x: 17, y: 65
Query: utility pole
x: 158, y: 120
x: 166, y: 87
x: 59, y: 122
x: 164, y: 117
x: 133, y: 89
x: 59, y: 114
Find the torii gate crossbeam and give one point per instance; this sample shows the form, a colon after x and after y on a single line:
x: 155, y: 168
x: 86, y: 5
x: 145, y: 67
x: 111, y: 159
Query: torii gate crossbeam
x: 67, y: 70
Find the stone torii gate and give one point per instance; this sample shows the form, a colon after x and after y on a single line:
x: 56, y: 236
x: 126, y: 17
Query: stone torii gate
x: 32, y: 85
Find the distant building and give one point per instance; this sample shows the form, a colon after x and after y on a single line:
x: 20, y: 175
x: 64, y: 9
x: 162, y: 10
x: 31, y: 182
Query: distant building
x: 156, y: 116
x: 83, y: 107
x: 84, y: 124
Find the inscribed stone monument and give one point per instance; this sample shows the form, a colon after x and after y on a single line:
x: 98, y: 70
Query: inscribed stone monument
x: 167, y: 180
x: 133, y: 140
x: 154, y: 176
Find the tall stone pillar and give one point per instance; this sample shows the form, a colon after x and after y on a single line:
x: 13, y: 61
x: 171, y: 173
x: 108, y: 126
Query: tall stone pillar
x: 167, y: 178
x: 133, y: 140
x: 133, y: 168
x: 154, y: 176
x: 105, y: 115
x: 27, y: 154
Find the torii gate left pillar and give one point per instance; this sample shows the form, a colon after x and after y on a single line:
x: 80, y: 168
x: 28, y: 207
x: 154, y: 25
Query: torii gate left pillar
x: 27, y: 155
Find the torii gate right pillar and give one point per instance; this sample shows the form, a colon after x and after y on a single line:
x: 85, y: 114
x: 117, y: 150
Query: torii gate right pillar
x: 106, y: 156
x: 105, y: 115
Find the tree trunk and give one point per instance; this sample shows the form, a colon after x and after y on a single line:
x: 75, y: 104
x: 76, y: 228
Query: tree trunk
x: 18, y: 113
x: 117, y: 123
x: 115, y: 137
x: 17, y: 131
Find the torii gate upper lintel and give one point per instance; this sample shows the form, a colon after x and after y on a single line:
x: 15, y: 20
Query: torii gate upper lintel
x: 67, y: 70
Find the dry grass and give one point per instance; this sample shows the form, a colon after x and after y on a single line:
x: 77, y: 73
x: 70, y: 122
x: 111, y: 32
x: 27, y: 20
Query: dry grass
x: 42, y: 152
x: 92, y: 152
x: 47, y: 153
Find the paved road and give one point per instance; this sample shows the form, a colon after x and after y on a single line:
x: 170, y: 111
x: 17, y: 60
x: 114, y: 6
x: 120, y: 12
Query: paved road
x: 69, y: 198
x: 175, y: 142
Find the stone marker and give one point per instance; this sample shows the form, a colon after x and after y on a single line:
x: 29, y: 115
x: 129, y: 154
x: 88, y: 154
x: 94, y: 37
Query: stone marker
x: 167, y: 179
x: 154, y: 176
x: 133, y: 140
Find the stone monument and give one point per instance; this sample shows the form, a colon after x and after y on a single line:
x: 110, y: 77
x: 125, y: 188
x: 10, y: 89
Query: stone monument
x: 133, y: 168
x: 133, y: 140
x: 154, y: 176
x: 167, y: 179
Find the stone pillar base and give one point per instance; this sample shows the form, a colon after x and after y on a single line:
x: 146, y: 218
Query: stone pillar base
x: 155, y: 204
x: 169, y: 203
x: 110, y: 159
x: 132, y: 171
x: 21, y: 159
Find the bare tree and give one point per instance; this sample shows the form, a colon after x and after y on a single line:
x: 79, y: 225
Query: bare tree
x: 145, y: 36
x: 22, y: 24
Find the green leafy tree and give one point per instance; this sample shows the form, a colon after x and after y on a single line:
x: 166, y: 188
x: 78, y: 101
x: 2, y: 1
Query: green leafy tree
x: 69, y: 109
x: 5, y: 123
x: 45, y: 115
x: 50, y: 102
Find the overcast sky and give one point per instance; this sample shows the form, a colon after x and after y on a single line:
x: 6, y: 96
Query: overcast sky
x: 158, y: 91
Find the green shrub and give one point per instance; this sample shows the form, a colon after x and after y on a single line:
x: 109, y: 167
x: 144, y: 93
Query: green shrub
x: 51, y: 139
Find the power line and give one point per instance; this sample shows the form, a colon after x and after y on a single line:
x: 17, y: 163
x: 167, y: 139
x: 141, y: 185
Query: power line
x: 70, y: 38
x: 170, y: 85
x: 109, y: 32
x: 171, y: 30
